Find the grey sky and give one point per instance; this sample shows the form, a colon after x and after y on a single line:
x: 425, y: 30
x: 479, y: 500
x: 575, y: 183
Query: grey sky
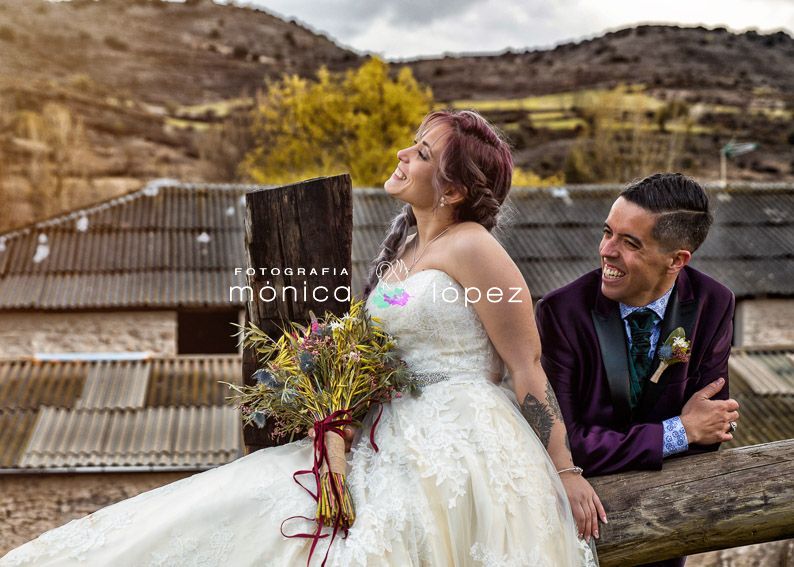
x: 411, y: 28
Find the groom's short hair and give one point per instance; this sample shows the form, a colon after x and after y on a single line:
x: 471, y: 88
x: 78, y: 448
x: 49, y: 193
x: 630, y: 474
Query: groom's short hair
x: 681, y: 204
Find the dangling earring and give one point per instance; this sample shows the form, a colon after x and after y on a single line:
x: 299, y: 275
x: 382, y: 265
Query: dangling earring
x: 443, y: 202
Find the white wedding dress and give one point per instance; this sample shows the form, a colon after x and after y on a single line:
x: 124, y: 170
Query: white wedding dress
x: 460, y: 478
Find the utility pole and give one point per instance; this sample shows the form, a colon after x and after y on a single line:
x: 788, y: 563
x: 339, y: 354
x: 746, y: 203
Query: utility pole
x: 730, y: 150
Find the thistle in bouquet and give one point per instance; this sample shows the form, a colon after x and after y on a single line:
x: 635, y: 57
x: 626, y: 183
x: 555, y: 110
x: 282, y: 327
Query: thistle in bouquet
x: 324, y: 376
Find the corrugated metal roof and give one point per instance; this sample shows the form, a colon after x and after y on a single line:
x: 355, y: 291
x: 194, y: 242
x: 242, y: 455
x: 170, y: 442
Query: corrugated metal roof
x: 762, y: 381
x: 110, y: 385
x: 173, y: 244
x: 29, y: 384
x: 765, y: 371
x: 165, y: 436
x: 160, y: 412
x: 553, y: 234
x: 192, y: 380
x: 16, y: 425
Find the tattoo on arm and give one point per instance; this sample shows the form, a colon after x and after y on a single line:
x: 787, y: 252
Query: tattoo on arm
x: 539, y: 416
x: 551, y: 399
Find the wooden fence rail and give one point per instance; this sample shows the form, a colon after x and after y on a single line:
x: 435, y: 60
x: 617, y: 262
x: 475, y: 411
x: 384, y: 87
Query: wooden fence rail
x: 701, y: 503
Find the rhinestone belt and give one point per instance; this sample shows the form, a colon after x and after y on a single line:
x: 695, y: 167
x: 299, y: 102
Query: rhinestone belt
x: 427, y: 378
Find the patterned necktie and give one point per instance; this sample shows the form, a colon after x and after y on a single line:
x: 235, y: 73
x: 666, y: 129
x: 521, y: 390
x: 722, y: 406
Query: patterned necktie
x: 641, y: 323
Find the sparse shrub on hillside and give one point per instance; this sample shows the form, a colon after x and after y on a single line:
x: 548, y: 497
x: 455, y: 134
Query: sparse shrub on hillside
x: 7, y: 34
x: 223, y: 147
x: 355, y: 122
x: 620, y: 142
x: 55, y: 143
x: 83, y: 82
x: 670, y: 111
x: 115, y: 43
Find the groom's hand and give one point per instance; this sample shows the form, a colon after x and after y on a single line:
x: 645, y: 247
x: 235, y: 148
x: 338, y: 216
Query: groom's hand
x: 707, y: 421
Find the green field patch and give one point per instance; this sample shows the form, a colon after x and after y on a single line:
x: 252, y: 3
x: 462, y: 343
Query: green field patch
x: 774, y: 113
x: 631, y: 97
x: 560, y: 124
x: 221, y: 108
x: 182, y: 124
x: 546, y: 116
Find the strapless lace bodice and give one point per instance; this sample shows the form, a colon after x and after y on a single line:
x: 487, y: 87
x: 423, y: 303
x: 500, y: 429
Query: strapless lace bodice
x: 436, y: 330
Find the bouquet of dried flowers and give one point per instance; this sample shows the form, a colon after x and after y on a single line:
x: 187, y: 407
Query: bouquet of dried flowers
x: 324, y: 376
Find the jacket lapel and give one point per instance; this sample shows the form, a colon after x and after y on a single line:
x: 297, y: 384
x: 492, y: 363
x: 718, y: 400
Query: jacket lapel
x: 612, y: 342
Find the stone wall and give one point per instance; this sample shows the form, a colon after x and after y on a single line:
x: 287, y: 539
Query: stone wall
x: 33, y: 504
x: 23, y: 334
x: 765, y: 322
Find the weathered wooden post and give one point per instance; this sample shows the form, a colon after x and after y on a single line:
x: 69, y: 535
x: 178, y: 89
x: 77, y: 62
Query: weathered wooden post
x: 714, y: 501
x: 306, y: 226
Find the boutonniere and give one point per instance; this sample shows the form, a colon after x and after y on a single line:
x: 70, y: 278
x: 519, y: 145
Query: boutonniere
x: 675, y: 349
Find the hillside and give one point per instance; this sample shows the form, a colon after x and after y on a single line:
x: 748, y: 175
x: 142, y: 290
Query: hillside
x: 156, y: 52
x: 142, y: 85
x: 725, y: 65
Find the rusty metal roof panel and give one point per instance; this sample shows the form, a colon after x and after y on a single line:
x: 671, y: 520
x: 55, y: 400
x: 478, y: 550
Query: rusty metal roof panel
x: 115, y: 384
x: 28, y: 384
x: 762, y: 381
x: 193, y: 381
x: 21, y: 291
x: 16, y: 426
x: 374, y: 207
x: 763, y: 419
x: 766, y: 372
x: 185, y: 436
x: 158, y: 381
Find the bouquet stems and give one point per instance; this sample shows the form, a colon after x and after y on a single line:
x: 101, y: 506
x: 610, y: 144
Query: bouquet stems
x: 334, y: 503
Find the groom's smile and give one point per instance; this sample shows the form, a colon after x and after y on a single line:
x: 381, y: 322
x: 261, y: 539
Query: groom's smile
x: 611, y: 272
x: 634, y: 268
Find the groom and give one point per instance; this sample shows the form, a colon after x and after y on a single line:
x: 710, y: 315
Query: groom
x: 602, y: 335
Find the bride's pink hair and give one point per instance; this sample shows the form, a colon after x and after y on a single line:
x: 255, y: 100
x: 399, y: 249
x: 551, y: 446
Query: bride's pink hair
x: 476, y: 162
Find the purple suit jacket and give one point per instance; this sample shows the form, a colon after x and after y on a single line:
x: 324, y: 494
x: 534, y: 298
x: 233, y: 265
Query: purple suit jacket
x: 585, y: 358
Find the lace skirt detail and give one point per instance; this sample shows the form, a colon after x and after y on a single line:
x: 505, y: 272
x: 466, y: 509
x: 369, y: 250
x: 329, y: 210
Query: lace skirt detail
x: 460, y: 479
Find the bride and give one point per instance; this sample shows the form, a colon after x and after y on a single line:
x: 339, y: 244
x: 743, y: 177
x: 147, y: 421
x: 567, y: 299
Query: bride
x: 465, y: 475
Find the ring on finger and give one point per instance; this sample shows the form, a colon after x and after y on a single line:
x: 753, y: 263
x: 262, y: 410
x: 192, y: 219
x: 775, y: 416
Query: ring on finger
x: 733, y: 425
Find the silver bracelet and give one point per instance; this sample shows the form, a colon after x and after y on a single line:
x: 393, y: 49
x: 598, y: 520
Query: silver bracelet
x: 577, y: 470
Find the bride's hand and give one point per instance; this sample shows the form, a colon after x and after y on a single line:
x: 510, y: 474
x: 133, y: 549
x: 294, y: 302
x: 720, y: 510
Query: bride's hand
x: 349, y: 431
x: 585, y: 504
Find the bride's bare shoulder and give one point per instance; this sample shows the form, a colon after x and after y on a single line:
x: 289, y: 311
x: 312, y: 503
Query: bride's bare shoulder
x: 476, y: 255
x: 472, y: 236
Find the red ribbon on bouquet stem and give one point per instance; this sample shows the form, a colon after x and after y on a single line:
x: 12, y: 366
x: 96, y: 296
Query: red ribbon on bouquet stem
x: 334, y: 423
